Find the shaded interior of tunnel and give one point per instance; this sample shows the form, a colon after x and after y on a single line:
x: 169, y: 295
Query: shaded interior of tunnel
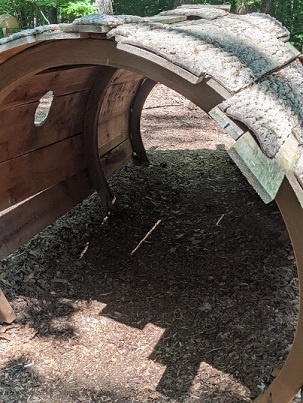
x: 211, y: 288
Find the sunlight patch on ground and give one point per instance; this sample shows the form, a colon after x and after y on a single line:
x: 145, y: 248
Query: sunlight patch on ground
x: 190, y: 128
x: 210, y: 379
x: 106, y: 350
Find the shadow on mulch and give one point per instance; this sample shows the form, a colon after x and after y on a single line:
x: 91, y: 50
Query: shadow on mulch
x: 217, y: 273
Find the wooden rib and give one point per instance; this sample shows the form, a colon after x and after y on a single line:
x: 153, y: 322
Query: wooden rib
x: 27, y: 175
x: 112, y: 132
x: 24, y: 221
x: 96, y: 174
x: 19, y: 135
x: 116, y: 158
x: 113, y: 125
x: 6, y: 312
x: 61, y: 82
x: 290, y: 379
x: 135, y: 120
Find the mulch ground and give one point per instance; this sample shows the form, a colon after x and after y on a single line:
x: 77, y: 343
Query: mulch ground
x: 203, y: 310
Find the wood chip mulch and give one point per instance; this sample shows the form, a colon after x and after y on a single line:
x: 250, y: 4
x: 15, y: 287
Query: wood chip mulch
x: 205, y: 308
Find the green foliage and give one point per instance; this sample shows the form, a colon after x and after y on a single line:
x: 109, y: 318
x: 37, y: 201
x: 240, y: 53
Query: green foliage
x: 39, y: 12
x: 297, y: 41
x: 75, y: 9
x: 141, y: 7
x: 289, y: 12
x: 148, y: 7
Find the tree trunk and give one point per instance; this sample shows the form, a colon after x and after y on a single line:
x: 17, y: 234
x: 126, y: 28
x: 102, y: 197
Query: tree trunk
x: 53, y: 15
x: 233, y: 4
x: 265, y: 6
x: 104, y: 6
x: 179, y: 3
x: 243, y: 8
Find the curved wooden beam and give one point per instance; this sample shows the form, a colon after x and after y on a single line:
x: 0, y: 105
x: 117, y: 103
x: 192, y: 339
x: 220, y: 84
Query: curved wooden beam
x: 7, y: 314
x: 286, y: 385
x: 90, y: 138
x: 140, y: 156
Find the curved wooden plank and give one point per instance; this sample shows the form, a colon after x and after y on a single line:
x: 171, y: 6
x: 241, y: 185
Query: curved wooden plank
x: 290, y: 379
x: 7, y: 314
x: 144, y: 90
x: 90, y: 140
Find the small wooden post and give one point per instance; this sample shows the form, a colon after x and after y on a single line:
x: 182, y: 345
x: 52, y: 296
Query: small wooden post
x: 7, y: 314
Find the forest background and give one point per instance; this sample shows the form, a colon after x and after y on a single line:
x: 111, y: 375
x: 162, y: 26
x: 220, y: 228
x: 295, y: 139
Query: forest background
x: 31, y: 13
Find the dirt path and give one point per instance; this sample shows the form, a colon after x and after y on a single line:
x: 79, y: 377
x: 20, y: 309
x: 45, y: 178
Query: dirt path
x: 204, y: 310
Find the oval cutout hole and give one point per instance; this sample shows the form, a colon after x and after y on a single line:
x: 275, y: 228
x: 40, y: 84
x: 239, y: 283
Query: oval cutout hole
x: 43, y: 109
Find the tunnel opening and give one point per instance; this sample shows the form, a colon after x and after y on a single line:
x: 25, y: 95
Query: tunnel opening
x: 119, y: 284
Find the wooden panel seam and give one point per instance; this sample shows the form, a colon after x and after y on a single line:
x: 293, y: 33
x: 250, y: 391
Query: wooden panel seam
x: 19, y: 135
x: 116, y: 158
x: 24, y: 221
x: 25, y: 176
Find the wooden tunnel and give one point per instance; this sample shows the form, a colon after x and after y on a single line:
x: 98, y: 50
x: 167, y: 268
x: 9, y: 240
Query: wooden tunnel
x: 97, y: 73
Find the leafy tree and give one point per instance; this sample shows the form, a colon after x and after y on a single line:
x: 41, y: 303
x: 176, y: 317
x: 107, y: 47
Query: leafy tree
x: 289, y: 12
x: 30, y: 13
x: 148, y: 7
x: 75, y: 9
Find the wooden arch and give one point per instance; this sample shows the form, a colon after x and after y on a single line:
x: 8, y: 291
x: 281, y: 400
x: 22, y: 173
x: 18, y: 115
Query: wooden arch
x: 239, y: 69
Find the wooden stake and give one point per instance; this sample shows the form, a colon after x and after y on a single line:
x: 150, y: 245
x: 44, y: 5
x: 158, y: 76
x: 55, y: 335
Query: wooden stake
x: 146, y: 236
x: 7, y: 314
x: 220, y: 219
